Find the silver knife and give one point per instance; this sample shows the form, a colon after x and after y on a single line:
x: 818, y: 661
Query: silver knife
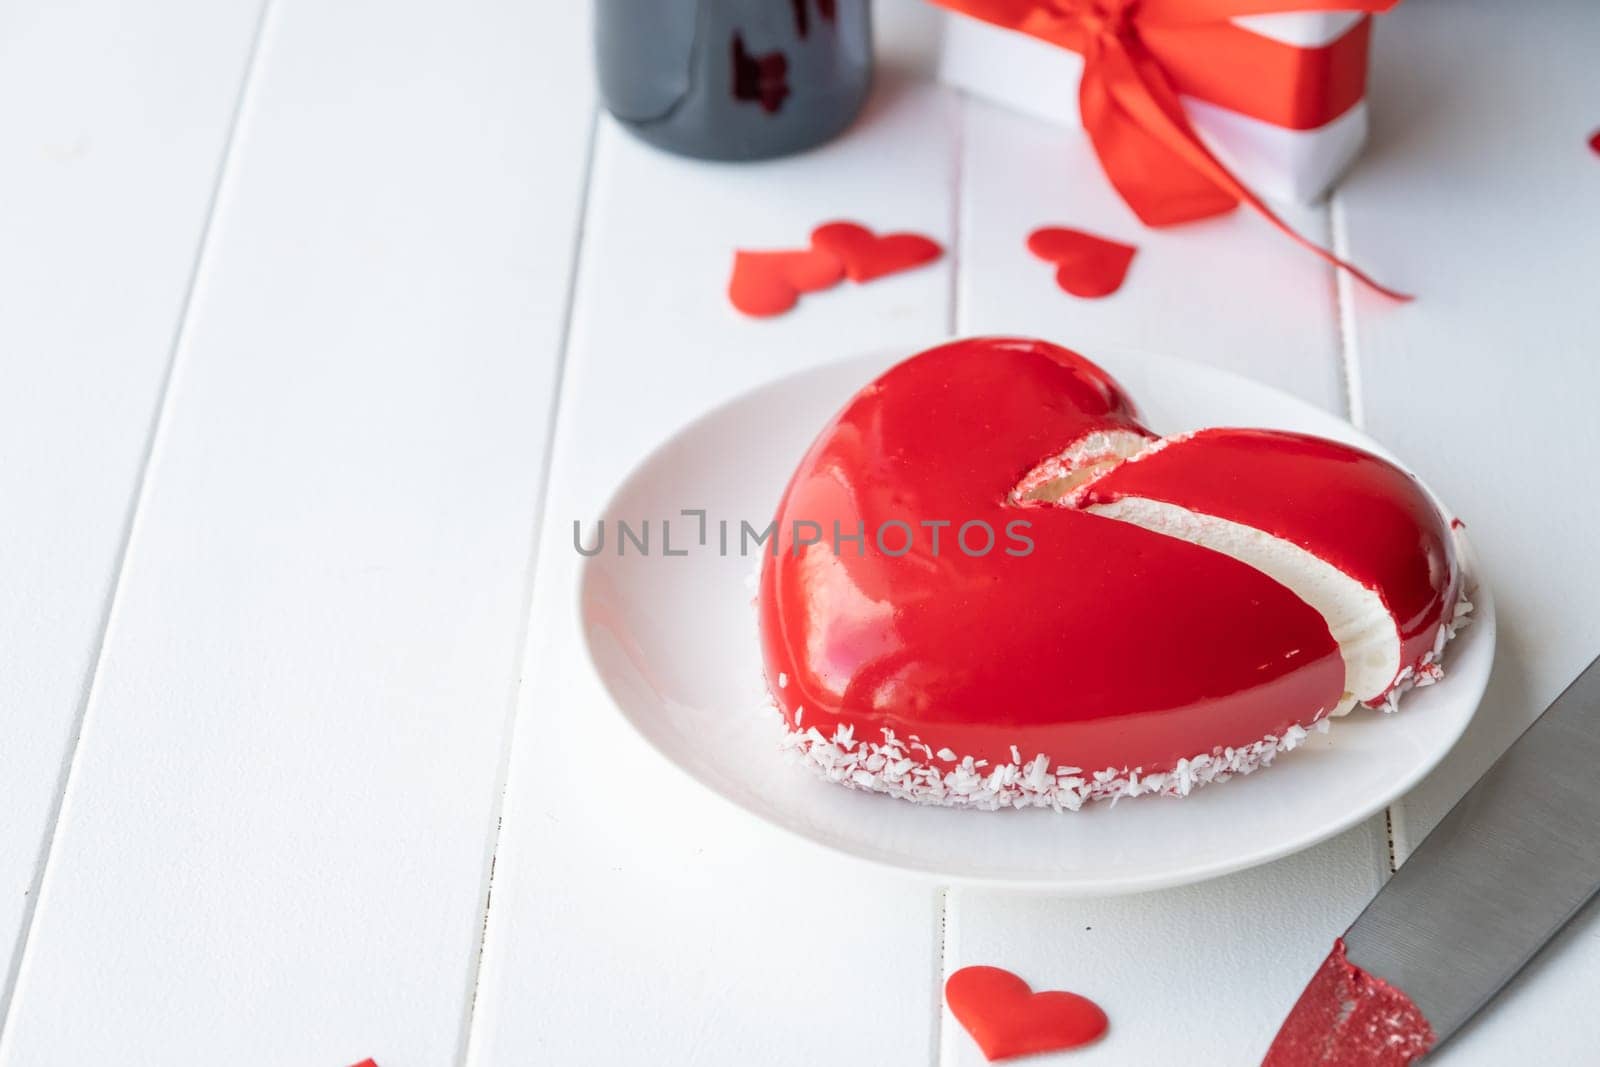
x: 1505, y: 870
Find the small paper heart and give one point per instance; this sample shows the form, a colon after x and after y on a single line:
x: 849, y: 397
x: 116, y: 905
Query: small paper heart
x: 867, y: 256
x: 769, y: 283
x: 1086, y: 265
x: 1594, y: 142
x: 1007, y: 1018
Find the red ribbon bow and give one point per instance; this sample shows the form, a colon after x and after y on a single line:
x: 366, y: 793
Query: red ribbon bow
x: 1138, y: 55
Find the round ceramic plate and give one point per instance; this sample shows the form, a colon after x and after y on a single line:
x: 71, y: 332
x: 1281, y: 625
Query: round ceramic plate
x: 674, y: 640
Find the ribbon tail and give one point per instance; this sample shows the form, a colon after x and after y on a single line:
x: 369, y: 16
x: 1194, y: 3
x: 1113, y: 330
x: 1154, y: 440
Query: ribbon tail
x: 1322, y: 253
x: 1136, y: 87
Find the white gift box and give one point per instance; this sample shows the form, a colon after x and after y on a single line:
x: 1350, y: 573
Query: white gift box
x: 1041, y: 79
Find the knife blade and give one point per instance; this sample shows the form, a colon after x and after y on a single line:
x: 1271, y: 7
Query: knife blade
x: 1504, y: 871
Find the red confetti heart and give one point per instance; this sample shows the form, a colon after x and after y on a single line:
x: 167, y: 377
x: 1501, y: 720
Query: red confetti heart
x: 369, y: 1062
x: 1594, y: 142
x: 1086, y: 265
x: 1007, y: 1018
x: 769, y: 283
x: 867, y: 256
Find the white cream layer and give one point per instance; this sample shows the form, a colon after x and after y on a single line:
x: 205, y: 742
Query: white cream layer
x: 1366, y: 632
x: 1369, y: 641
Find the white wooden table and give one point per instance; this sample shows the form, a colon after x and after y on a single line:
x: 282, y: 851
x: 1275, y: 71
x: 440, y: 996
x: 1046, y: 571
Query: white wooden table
x: 321, y: 322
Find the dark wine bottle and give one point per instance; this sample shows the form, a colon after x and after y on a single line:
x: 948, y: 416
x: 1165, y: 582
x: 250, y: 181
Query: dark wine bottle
x: 734, y: 79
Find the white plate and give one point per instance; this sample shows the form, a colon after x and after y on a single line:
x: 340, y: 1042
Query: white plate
x: 674, y: 640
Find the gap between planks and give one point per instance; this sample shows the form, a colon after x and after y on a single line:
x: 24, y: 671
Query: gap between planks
x: 958, y: 218
x: 1345, y: 314
x: 1355, y: 409
x: 958, y: 211
x: 130, y: 523
x: 530, y: 578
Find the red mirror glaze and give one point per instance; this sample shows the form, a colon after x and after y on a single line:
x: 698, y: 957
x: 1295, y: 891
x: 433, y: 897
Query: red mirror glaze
x: 1107, y: 646
x: 1360, y: 513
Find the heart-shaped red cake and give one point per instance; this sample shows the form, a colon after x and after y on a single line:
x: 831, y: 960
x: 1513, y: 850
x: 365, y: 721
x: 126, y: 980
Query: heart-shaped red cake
x: 991, y: 586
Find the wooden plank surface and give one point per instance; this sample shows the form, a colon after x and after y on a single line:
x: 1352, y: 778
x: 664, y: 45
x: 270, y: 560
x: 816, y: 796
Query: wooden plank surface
x: 284, y: 821
x: 1211, y: 968
x: 275, y: 841
x: 1480, y: 185
x: 631, y: 910
x: 113, y: 124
